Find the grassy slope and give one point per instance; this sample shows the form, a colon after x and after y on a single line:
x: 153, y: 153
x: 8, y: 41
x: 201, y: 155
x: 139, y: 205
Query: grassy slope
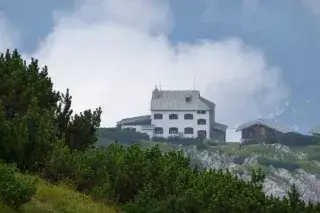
x: 59, y: 199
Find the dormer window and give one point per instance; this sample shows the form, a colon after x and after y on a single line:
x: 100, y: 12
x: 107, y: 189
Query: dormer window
x: 188, y: 98
x: 201, y: 112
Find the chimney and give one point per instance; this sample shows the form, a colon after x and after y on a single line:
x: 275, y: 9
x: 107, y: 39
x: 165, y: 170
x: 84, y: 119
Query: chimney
x: 155, y: 93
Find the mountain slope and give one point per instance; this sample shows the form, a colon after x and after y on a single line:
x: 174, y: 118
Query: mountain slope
x: 282, y: 165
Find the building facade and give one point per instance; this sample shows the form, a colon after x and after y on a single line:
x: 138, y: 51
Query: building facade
x: 178, y: 113
x: 261, y: 129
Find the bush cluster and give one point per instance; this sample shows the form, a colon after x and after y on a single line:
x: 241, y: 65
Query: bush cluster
x: 107, y: 135
x: 147, y: 181
x: 15, y: 190
x: 288, y: 139
x: 290, y: 166
x: 185, y: 141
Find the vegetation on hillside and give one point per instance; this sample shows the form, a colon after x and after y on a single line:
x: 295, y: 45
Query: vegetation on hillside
x: 59, y: 198
x: 40, y: 134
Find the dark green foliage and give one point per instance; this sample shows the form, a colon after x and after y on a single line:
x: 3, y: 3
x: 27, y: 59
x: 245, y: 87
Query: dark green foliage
x: 15, y: 190
x: 297, y: 139
x: 64, y: 114
x: 317, y: 158
x: 27, y: 103
x: 21, y: 83
x: 212, y: 143
x: 151, y: 181
x: 278, y: 164
x: 179, y: 140
x: 107, y: 136
x: 78, y: 131
x: 201, y: 146
x: 81, y: 132
x: 289, y: 139
x: 33, y: 117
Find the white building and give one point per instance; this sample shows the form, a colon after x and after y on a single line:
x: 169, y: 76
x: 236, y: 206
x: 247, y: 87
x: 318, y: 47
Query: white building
x: 178, y: 113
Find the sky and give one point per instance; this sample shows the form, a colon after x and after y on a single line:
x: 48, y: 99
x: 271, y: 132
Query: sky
x: 253, y: 58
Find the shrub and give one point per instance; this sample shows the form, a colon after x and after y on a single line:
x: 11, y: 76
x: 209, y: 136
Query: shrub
x: 15, y: 190
x: 201, y: 146
x: 179, y: 140
x: 210, y: 142
x: 105, y: 135
x: 316, y: 158
x: 150, y: 181
x: 278, y: 164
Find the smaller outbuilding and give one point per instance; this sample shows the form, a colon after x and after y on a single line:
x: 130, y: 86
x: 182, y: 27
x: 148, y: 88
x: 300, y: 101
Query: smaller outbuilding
x: 262, y: 128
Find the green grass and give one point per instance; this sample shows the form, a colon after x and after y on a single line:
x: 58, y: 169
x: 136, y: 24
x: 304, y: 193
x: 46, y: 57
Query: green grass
x: 309, y: 167
x: 59, y: 199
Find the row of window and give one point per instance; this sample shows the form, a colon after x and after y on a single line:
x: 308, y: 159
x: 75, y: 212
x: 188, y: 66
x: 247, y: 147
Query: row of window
x: 175, y: 130
x: 187, y: 116
x: 175, y: 117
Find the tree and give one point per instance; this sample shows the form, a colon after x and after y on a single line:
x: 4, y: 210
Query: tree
x: 27, y: 103
x: 64, y: 113
x: 81, y: 131
x: 33, y: 116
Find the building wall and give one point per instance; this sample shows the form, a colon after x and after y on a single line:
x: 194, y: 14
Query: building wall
x: 259, y: 132
x: 219, y: 135
x: 181, y: 123
x: 138, y: 128
x: 212, y: 121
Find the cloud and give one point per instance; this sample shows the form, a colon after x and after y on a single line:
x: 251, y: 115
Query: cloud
x: 112, y: 53
x: 8, y: 35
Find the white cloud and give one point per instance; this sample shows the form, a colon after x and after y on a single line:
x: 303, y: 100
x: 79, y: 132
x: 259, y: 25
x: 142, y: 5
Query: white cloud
x: 111, y: 53
x: 8, y: 36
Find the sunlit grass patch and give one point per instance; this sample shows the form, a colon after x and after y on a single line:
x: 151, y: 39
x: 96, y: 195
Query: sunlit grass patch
x: 57, y: 199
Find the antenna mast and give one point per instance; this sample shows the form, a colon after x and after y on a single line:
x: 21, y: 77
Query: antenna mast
x: 194, y: 82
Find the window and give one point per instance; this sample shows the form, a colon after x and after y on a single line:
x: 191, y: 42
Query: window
x: 173, y: 116
x: 158, y: 130
x: 202, y: 121
x: 188, y: 99
x: 201, y: 112
x: 202, y: 133
x: 173, y: 130
x: 188, y: 116
x: 157, y: 116
x: 188, y: 130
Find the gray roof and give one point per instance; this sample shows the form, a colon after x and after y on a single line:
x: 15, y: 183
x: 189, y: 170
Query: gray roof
x: 267, y: 123
x: 139, y: 120
x: 220, y: 127
x: 176, y: 100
